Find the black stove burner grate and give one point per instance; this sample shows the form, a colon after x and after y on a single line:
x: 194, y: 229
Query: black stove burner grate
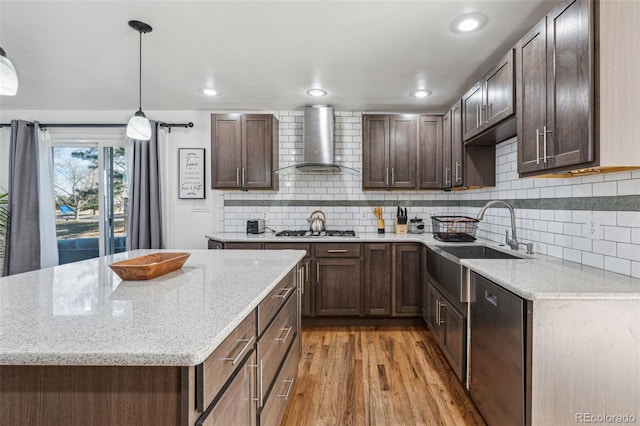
x: 329, y: 233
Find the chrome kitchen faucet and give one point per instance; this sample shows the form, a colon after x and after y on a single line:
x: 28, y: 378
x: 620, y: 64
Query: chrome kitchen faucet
x: 511, y: 242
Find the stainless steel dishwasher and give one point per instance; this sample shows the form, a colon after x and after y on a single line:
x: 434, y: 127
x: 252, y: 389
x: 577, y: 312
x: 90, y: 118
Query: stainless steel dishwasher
x: 497, y: 364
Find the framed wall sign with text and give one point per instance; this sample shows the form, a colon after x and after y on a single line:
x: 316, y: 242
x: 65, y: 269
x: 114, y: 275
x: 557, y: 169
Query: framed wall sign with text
x: 191, y: 173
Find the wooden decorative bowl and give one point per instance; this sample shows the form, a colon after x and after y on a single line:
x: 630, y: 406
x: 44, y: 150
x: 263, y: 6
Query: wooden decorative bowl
x: 149, y: 266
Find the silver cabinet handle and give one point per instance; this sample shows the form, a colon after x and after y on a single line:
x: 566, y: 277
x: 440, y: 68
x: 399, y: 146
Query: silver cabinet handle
x: 437, y: 312
x: 243, y: 182
x: 478, y: 119
x: 286, y: 394
x: 337, y: 251
x: 238, y: 176
x: 244, y: 348
x: 393, y: 179
x: 537, y: 146
x: 317, y: 272
x: 284, y: 295
x: 446, y: 176
x: 284, y: 339
x: 386, y: 182
x: 255, y: 398
x: 306, y: 268
x: 458, y: 165
x: 439, y: 319
x: 260, y: 384
x: 544, y: 141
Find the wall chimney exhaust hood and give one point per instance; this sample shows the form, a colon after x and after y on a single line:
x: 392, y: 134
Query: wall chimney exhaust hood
x: 317, y: 143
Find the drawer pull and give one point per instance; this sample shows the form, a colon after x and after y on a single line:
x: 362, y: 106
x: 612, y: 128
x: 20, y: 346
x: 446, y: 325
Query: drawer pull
x: 337, y: 251
x: 244, y: 348
x: 284, y: 339
x: 285, y: 294
x: 491, y: 298
x: 286, y: 394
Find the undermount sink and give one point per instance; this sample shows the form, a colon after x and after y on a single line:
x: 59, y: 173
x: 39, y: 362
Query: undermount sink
x: 478, y: 252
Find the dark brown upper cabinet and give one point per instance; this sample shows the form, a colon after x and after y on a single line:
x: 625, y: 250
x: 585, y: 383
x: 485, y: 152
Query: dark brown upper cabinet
x: 555, y: 90
x: 431, y: 134
x: 389, y: 151
x: 465, y: 165
x: 489, y: 103
x: 244, y: 151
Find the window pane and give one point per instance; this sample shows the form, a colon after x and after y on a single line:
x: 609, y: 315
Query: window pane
x: 117, y: 197
x: 77, y: 202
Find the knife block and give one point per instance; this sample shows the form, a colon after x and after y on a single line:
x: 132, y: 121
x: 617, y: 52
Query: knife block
x: 400, y: 228
x: 380, y: 226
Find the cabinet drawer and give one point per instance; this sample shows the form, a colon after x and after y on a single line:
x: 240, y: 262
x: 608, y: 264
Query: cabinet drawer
x: 271, y: 304
x: 212, y: 374
x: 243, y: 246
x: 283, y: 388
x: 337, y: 250
x: 289, y: 246
x: 275, y: 342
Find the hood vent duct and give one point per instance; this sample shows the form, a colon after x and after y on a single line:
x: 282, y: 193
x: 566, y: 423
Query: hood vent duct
x: 317, y: 141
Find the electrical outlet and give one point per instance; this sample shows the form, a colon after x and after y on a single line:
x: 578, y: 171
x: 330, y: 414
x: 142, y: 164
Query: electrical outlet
x: 593, y: 228
x: 363, y: 214
x: 265, y: 215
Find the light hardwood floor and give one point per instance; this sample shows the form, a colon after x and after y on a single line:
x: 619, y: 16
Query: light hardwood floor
x: 376, y: 376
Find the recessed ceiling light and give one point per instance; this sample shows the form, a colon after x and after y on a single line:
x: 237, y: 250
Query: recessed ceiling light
x: 316, y: 92
x: 210, y: 92
x: 421, y: 93
x: 468, y: 23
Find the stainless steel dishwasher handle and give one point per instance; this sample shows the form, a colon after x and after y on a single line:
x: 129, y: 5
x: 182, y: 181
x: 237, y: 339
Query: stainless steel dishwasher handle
x: 491, y: 298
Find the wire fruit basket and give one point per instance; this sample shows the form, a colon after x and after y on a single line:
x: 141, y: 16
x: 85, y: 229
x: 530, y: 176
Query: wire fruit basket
x: 454, y: 228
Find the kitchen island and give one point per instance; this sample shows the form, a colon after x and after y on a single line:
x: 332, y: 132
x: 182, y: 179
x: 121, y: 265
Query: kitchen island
x: 80, y: 346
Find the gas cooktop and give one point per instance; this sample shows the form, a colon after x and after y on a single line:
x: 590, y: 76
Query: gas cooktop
x: 306, y: 233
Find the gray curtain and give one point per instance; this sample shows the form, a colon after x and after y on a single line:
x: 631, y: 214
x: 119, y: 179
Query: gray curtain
x: 22, y: 243
x: 144, y: 229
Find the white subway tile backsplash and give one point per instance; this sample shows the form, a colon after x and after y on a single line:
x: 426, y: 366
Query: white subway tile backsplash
x: 628, y: 251
x: 614, y: 233
x: 592, y: 259
x: 604, y: 247
x: 630, y: 219
x: 614, y: 264
x: 605, y: 189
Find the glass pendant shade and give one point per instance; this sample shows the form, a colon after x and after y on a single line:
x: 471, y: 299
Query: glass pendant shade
x: 8, y: 76
x: 139, y: 127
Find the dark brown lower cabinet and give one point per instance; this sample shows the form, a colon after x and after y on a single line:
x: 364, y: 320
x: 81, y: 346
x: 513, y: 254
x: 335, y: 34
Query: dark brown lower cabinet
x: 449, y: 328
x: 338, y: 287
x: 377, y: 279
x: 236, y: 405
x: 407, y: 280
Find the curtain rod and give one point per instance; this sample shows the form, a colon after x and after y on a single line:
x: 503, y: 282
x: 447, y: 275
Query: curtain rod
x: 162, y: 124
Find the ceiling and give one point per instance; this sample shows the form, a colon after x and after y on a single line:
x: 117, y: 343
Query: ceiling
x: 259, y: 55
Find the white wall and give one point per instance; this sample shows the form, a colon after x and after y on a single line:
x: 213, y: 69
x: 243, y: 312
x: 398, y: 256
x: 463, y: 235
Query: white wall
x: 186, y: 227
x: 558, y: 233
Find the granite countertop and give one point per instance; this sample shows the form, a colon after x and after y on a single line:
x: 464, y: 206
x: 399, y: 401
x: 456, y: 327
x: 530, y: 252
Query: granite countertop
x: 84, y: 314
x: 536, y: 277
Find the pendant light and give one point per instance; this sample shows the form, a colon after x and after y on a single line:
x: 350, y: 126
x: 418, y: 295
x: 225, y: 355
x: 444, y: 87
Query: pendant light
x: 8, y: 75
x: 139, y: 126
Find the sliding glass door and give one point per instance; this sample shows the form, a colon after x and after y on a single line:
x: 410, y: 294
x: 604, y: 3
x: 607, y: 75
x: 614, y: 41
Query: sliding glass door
x: 91, y: 199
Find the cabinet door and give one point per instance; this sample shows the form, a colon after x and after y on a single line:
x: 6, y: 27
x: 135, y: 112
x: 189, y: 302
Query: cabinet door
x: 375, y: 151
x: 257, y: 151
x: 407, y: 280
x: 570, y: 84
x: 457, y: 146
x: 236, y: 405
x: 453, y: 337
x: 431, y: 310
x: 433, y: 136
x: 226, y: 150
x: 377, y: 279
x: 532, y: 98
x: 471, y: 112
x: 499, y: 91
x: 402, y: 151
x: 338, y: 287
x: 307, y: 295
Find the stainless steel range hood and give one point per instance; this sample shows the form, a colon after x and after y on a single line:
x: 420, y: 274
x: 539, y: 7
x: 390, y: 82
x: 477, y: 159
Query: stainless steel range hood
x: 317, y: 142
